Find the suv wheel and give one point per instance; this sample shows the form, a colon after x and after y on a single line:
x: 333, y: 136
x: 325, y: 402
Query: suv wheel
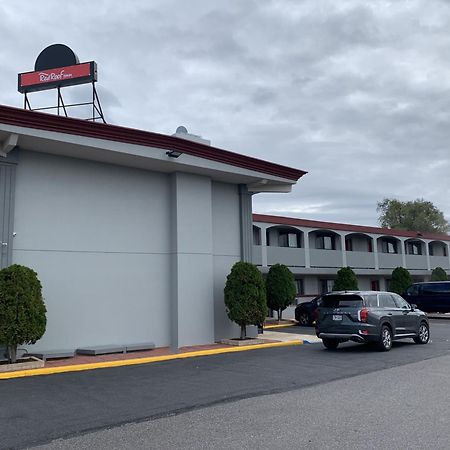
x: 303, y: 319
x: 424, y: 334
x: 385, y: 343
x: 330, y: 344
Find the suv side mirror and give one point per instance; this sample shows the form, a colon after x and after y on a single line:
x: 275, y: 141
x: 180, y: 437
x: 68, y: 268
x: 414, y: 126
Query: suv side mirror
x: 413, y: 307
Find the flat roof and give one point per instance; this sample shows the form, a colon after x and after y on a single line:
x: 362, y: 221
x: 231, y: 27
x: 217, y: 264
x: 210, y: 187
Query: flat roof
x: 79, y: 127
x: 281, y: 220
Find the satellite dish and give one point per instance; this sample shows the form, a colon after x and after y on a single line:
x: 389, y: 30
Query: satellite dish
x: 181, y: 130
x: 54, y: 56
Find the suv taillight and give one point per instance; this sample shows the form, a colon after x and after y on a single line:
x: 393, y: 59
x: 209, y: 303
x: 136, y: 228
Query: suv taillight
x: 363, y: 315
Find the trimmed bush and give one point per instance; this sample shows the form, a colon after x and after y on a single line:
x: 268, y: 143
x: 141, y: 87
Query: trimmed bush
x: 280, y: 288
x: 345, y: 280
x: 245, y: 296
x: 401, y: 279
x: 22, y: 309
x: 439, y: 274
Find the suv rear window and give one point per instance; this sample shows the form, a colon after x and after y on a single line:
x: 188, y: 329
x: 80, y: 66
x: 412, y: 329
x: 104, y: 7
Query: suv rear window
x: 341, y: 301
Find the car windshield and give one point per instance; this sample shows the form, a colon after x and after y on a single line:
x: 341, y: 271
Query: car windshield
x: 341, y: 301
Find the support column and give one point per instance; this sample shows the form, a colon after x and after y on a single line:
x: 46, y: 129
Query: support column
x: 402, y: 245
x: 375, y: 253
x: 427, y: 254
x: 306, y: 245
x: 263, y: 247
x: 246, y: 223
x: 448, y: 255
x: 344, y: 251
x: 192, y: 278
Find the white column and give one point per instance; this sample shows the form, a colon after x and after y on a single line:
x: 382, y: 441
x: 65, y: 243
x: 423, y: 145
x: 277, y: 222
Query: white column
x: 306, y: 245
x: 375, y: 253
x: 344, y: 251
x: 448, y: 254
x: 402, y: 245
x: 427, y: 254
x: 264, y: 246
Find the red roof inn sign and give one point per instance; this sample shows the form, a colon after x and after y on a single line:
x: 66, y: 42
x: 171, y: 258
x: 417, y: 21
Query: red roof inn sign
x: 60, y: 76
x: 57, y: 66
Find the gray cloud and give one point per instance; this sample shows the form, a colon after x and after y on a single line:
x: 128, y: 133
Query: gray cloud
x: 355, y: 92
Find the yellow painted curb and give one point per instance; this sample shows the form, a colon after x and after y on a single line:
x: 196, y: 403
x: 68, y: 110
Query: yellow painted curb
x: 282, y: 325
x: 136, y: 361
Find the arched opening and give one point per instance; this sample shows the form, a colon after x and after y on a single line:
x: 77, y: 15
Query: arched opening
x: 358, y: 242
x: 438, y: 248
x: 284, y: 236
x: 325, y: 240
x: 389, y: 244
x: 414, y: 247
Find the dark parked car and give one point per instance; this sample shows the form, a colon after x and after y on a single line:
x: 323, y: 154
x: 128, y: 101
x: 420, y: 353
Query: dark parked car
x: 305, y: 313
x: 433, y: 296
x: 369, y: 317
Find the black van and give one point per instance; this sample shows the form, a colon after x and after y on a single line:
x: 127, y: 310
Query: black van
x: 432, y: 296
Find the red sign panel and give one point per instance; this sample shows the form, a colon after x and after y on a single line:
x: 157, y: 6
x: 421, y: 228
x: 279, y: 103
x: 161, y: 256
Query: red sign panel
x: 61, y: 76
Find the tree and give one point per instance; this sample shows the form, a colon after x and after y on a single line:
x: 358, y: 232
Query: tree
x: 401, y: 279
x: 439, y: 274
x: 245, y: 296
x: 280, y: 288
x: 418, y: 215
x: 22, y: 309
x: 345, y: 280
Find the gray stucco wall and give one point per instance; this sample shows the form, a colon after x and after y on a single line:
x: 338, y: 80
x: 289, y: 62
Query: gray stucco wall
x: 126, y: 255
x: 99, y: 237
x: 226, y: 250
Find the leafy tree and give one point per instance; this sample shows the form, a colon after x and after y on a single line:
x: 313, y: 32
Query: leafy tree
x: 346, y: 280
x: 417, y: 215
x: 22, y: 309
x: 400, y: 280
x: 280, y: 288
x: 439, y: 274
x: 245, y: 296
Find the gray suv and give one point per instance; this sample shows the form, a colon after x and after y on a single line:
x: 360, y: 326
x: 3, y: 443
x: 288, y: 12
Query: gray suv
x: 369, y: 317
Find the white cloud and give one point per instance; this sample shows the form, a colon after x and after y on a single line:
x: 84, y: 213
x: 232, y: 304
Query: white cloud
x: 356, y: 93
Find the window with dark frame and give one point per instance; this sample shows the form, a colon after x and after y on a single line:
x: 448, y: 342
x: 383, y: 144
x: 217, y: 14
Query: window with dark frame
x: 325, y: 242
x: 299, y: 284
x: 256, y: 236
x: 389, y: 246
x: 348, y: 245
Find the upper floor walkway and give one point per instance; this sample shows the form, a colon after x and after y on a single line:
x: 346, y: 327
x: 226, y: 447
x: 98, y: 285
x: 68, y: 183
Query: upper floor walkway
x: 314, y: 244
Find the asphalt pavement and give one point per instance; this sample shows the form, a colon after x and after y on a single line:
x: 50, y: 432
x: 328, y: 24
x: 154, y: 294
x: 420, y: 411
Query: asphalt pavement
x: 404, y: 407
x: 41, y: 409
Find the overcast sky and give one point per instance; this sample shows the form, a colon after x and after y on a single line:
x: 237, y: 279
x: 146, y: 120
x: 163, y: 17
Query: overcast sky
x: 357, y: 93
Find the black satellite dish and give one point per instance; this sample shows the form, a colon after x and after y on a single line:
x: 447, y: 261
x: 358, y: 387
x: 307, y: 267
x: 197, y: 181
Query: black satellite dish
x: 56, y: 55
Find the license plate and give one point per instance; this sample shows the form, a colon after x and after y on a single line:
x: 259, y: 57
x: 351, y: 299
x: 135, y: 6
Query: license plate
x: 337, y: 317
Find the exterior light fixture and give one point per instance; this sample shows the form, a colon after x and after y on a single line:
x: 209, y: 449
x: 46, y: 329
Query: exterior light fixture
x: 173, y: 153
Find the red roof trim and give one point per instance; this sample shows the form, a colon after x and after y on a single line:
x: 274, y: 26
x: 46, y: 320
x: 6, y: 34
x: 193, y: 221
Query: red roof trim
x: 50, y: 122
x: 280, y: 220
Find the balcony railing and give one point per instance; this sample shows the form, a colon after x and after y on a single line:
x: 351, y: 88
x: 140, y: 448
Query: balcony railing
x: 439, y: 261
x: 294, y: 257
x: 416, y: 262
x: 257, y: 255
x: 325, y: 258
x: 389, y: 261
x: 361, y: 260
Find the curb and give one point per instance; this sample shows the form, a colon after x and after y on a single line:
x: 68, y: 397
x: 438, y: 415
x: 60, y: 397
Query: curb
x: 282, y: 325
x: 138, y: 361
x: 439, y: 316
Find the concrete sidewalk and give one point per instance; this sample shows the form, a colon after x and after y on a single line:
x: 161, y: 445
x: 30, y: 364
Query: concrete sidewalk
x: 444, y: 316
x: 289, y: 337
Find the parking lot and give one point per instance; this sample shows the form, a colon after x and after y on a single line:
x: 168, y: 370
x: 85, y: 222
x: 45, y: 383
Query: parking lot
x: 40, y: 409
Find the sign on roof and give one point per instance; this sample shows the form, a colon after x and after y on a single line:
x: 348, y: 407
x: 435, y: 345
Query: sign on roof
x: 60, y: 76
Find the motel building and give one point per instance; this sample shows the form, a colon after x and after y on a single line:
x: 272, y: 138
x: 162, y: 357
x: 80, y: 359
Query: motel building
x: 314, y: 251
x: 132, y: 233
